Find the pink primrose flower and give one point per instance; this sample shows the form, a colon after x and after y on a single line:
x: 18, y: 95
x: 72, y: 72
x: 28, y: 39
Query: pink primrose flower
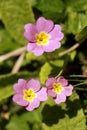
x: 43, y: 37
x: 58, y: 88
x: 29, y: 94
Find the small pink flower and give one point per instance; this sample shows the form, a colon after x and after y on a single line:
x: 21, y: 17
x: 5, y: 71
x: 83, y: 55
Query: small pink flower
x: 43, y: 37
x: 29, y: 94
x: 58, y: 89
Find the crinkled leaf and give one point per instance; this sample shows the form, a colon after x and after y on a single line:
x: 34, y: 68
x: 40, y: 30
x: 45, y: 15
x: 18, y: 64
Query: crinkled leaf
x: 55, y: 6
x: 28, y: 120
x: 32, y: 117
x: 77, y: 5
x: 78, y: 20
x: 17, y: 123
x: 66, y: 116
x: 14, y: 15
x: 54, y: 11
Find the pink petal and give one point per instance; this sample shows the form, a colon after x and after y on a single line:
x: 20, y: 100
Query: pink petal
x: 56, y: 33
x: 52, y: 46
x: 42, y: 94
x: 18, y: 98
x: 50, y: 81
x: 38, y: 51
x: 44, y: 25
x: 31, y: 47
x: 68, y: 90
x: 51, y: 93
x: 33, y: 105
x: 62, y: 80
x: 18, y: 87
x: 34, y: 84
x: 30, y: 31
x: 60, y: 98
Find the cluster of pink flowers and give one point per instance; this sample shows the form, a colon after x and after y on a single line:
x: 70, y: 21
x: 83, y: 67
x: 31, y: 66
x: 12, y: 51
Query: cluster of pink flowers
x: 42, y: 37
x: 30, y: 94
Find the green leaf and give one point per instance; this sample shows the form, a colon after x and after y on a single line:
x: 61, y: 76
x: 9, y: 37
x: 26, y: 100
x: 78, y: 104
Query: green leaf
x: 6, y: 92
x: 51, y: 68
x: 78, y: 20
x: 54, y: 11
x: 7, y: 81
x: 32, y: 117
x: 6, y: 42
x: 14, y: 15
x: 30, y: 56
x: 72, y: 55
x: 77, y: 5
x: 65, y: 116
x: 25, y: 119
x: 17, y: 123
x: 45, y: 72
x: 55, y: 6
x: 82, y: 35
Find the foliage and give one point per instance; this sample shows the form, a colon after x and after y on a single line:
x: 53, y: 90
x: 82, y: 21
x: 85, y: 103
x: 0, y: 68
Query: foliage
x: 72, y: 16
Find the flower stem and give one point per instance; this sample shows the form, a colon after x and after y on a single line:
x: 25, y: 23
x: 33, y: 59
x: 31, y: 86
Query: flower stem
x: 81, y: 89
x: 85, y: 82
x: 81, y: 76
x: 76, y: 45
x: 12, y: 54
x: 18, y: 63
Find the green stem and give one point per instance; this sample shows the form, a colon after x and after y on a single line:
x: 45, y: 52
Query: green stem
x: 81, y: 89
x: 59, y: 73
x: 80, y: 84
x: 82, y: 76
x: 76, y: 80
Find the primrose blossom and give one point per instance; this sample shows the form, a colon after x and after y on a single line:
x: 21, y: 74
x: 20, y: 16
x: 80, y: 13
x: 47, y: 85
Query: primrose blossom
x: 43, y: 37
x: 29, y: 94
x: 59, y: 89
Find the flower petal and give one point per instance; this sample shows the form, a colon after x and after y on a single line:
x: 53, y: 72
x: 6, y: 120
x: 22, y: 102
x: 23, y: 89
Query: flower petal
x: 52, y: 46
x: 60, y: 98
x: 31, y: 47
x: 34, y: 84
x: 50, y: 82
x: 63, y: 81
x: 30, y: 31
x: 51, y: 93
x: 18, y: 87
x: 33, y: 105
x: 44, y: 25
x: 38, y: 51
x: 68, y: 90
x: 42, y: 94
x: 18, y: 98
x: 56, y: 33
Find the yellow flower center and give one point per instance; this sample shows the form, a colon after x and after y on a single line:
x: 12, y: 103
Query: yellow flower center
x: 57, y: 87
x: 29, y: 95
x: 42, y: 38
